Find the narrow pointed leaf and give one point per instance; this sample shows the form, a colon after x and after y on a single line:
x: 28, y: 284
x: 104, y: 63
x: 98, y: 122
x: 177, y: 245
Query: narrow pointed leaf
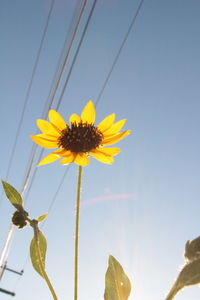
x: 13, y: 195
x: 189, y: 275
x: 42, y: 244
x: 41, y: 218
x: 192, y: 250
x: 117, y: 283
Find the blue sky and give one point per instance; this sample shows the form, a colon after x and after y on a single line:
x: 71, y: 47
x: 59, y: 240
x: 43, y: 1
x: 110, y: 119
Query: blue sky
x: 144, y: 207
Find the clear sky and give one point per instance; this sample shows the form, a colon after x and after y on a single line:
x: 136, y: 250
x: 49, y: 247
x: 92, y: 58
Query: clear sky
x: 144, y: 207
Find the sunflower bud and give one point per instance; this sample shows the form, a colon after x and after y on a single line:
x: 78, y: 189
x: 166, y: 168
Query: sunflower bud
x: 192, y: 250
x: 20, y: 218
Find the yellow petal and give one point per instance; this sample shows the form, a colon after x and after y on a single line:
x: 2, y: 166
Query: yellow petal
x: 115, y: 138
x: 46, y: 143
x: 82, y: 159
x: 108, y: 151
x: 106, y: 123
x: 47, y: 137
x: 107, y: 159
x: 88, y: 114
x: 62, y: 152
x: 74, y: 119
x: 49, y: 159
x: 68, y: 159
x: 115, y: 128
x: 56, y: 119
x: 47, y: 127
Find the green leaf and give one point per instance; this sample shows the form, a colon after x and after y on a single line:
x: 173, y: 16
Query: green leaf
x: 13, y: 195
x: 41, y: 218
x: 189, y: 275
x: 118, y: 285
x: 38, y: 248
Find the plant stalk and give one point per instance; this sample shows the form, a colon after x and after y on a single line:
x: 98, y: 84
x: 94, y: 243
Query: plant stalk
x: 44, y: 274
x: 77, y: 233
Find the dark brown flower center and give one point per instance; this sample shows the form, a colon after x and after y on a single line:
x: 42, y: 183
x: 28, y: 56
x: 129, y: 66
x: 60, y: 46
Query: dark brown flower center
x: 80, y: 137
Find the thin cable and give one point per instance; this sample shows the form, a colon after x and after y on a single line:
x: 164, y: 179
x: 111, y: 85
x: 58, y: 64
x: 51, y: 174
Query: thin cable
x: 57, y: 107
x: 28, y: 93
x: 77, y: 52
x: 104, y: 84
x: 6, y: 247
x: 55, y: 85
x: 102, y: 89
x: 113, y: 64
x: 106, y: 80
x: 65, y: 53
x: 7, y: 243
x: 50, y: 103
x: 119, y: 51
x: 69, y: 74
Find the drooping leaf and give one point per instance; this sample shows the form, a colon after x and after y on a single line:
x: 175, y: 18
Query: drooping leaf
x: 189, y: 275
x: 13, y: 195
x: 38, y: 244
x: 41, y: 218
x: 117, y: 283
x: 192, y: 250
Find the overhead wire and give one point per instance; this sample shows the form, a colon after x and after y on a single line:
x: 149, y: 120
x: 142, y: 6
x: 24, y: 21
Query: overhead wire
x: 52, y: 95
x: 101, y: 91
x: 58, y: 74
x: 119, y: 51
x: 28, y: 93
x: 57, y: 78
x: 64, y: 57
x: 77, y: 52
x: 58, y: 105
x: 96, y: 102
x: 68, y: 77
x: 6, y: 247
x: 103, y: 86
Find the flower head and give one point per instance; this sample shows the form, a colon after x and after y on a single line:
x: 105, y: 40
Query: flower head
x: 80, y: 139
x: 20, y: 218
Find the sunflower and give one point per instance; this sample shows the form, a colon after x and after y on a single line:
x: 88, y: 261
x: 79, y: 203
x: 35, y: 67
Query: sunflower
x: 80, y: 139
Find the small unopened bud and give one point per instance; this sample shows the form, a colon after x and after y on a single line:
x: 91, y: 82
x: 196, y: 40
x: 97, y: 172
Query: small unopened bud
x: 20, y: 218
x: 192, y: 250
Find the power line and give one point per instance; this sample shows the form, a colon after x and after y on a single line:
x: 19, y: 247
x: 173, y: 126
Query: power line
x: 6, y: 246
x: 77, y: 52
x: 55, y: 84
x: 100, y: 94
x: 64, y: 57
x: 57, y: 107
x: 53, y: 90
x: 104, y: 84
x: 112, y: 66
x: 28, y: 92
x: 7, y: 243
x: 120, y: 50
x: 58, y: 74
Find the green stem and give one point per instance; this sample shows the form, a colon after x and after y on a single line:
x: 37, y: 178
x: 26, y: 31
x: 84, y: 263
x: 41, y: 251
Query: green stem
x: 41, y: 265
x: 77, y: 233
